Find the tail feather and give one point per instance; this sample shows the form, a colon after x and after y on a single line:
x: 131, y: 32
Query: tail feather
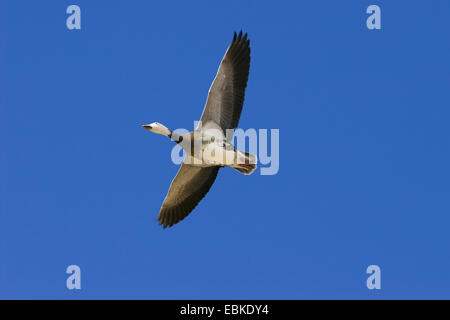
x: 246, y: 164
x: 245, y: 168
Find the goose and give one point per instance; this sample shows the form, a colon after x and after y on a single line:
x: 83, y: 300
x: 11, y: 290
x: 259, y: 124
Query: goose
x: 208, y: 148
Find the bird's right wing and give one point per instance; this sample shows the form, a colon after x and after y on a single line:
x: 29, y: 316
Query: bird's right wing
x: 189, y: 186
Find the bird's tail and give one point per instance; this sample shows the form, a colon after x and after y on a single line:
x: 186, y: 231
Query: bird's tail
x: 246, y: 163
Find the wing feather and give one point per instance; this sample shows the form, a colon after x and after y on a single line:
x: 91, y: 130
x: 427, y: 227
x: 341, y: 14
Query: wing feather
x: 189, y: 186
x: 227, y: 92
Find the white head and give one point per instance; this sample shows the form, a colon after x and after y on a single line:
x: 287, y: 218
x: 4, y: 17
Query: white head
x: 157, y: 127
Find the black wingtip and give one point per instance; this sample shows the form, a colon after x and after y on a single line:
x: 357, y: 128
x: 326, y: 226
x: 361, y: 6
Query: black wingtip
x: 239, y: 36
x: 161, y: 223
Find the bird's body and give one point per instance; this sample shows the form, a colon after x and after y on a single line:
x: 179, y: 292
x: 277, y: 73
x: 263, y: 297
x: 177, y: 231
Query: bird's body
x: 208, y: 147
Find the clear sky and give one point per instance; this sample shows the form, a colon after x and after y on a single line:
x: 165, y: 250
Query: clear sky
x: 364, y: 150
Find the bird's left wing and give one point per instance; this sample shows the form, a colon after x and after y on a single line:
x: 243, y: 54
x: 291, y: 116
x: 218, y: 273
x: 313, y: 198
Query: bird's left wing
x: 189, y: 186
x: 226, y: 95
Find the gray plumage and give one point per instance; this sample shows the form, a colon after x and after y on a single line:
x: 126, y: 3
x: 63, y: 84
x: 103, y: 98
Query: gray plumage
x: 189, y: 186
x: 223, y: 109
x: 226, y: 95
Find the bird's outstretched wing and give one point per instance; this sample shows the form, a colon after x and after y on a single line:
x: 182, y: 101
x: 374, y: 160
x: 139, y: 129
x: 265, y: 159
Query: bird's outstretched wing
x: 226, y: 95
x: 188, y: 187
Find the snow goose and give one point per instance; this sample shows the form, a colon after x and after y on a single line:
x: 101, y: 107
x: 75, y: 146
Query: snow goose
x: 208, y: 147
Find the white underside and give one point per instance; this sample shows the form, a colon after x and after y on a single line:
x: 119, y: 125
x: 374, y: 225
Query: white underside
x: 219, y: 154
x: 211, y: 148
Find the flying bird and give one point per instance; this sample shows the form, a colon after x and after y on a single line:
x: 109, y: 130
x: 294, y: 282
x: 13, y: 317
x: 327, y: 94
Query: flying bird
x: 208, y: 148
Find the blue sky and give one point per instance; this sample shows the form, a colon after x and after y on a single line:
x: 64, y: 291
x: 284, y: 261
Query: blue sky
x: 364, y: 150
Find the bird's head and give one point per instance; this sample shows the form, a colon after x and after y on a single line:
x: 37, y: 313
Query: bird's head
x: 157, y: 127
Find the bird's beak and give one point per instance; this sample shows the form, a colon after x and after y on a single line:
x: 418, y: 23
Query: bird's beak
x: 147, y: 127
